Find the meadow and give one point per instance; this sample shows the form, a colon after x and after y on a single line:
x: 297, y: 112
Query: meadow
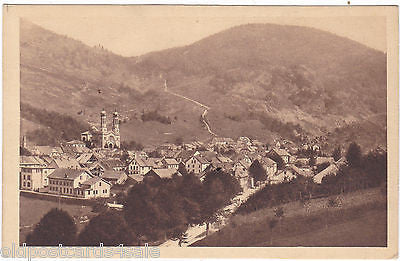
x: 33, y: 209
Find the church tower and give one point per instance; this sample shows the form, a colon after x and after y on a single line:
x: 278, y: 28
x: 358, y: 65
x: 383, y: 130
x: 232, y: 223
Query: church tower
x: 103, y: 127
x: 115, y: 128
x: 115, y: 123
x: 103, y: 123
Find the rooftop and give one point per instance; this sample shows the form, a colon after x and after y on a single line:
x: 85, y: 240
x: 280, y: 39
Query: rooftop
x: 63, y: 173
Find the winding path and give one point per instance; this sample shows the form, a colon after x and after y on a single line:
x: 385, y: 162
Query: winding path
x: 203, y: 115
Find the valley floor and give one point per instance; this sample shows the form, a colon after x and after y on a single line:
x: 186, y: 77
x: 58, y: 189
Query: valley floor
x: 355, y: 225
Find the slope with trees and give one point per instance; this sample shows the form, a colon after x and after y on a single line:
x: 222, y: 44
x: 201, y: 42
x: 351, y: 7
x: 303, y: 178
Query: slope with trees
x: 270, y: 73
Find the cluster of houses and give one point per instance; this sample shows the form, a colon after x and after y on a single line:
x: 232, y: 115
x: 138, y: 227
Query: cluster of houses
x: 70, y: 170
x: 74, y: 170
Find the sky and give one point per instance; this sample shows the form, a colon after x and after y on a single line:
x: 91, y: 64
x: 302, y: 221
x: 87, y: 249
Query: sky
x: 134, y: 31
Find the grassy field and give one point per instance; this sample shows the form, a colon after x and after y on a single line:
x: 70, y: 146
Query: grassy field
x: 362, y: 224
x: 368, y: 230
x: 33, y: 209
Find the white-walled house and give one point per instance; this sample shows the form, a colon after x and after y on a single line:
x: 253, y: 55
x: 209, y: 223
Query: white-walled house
x: 78, y: 183
x: 34, y: 173
x: 270, y: 166
x: 170, y: 163
x: 96, y: 187
x: 139, y: 165
x: 196, y: 164
x: 241, y: 172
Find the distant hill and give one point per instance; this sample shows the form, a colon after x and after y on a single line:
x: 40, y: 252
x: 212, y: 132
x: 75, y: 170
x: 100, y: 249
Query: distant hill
x: 259, y: 80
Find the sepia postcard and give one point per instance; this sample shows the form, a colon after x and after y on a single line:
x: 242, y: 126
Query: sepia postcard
x: 146, y: 131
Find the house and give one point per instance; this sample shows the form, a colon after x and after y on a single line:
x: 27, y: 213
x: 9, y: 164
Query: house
x: 133, y: 154
x: 77, y: 183
x: 74, y: 148
x: 170, y: 163
x: 87, y: 159
x: 302, y: 162
x: 95, y: 168
x: 96, y: 187
x: 184, y: 155
x: 189, y: 147
x: 258, y: 143
x: 283, y: 154
x: 240, y: 170
x: 46, y: 159
x: 244, y: 140
x: 198, y: 144
x: 162, y: 173
x: 224, y: 163
x: 244, y: 151
x: 64, y: 163
x: 281, y: 176
x: 75, y: 143
x: 305, y: 172
x: 167, y: 148
x: 45, y: 151
x: 139, y: 165
x: 172, y: 154
x: 330, y: 170
x: 113, y: 164
x: 114, y: 177
x: 33, y: 173
x: 196, y: 164
x: 220, y: 141
x: 156, y: 163
x: 270, y: 166
x: 137, y: 178
x: 68, y: 181
x: 322, y: 160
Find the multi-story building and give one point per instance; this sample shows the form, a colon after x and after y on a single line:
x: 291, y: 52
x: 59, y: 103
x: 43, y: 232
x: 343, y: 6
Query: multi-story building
x: 196, y: 164
x: 139, y: 165
x: 33, y: 173
x: 170, y: 163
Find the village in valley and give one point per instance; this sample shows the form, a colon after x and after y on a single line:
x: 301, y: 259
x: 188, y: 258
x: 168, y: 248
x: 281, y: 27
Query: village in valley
x: 262, y: 135
x: 76, y: 170
x: 97, y: 168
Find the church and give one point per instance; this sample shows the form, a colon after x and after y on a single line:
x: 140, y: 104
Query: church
x: 104, y: 138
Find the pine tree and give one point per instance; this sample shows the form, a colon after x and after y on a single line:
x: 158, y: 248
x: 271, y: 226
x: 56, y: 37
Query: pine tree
x: 353, y: 155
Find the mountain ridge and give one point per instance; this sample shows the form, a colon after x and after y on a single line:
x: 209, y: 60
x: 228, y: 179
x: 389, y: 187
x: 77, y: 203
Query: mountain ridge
x: 293, y: 75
